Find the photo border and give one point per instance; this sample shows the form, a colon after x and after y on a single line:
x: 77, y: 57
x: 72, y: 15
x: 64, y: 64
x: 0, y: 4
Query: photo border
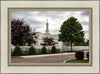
x: 49, y: 73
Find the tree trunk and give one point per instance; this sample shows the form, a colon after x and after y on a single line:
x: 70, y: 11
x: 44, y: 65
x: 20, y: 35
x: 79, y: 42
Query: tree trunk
x: 71, y: 46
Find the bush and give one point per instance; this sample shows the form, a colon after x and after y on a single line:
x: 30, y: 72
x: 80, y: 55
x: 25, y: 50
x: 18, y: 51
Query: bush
x: 58, y: 50
x: 32, y: 50
x: 79, y: 55
x: 17, y: 51
x: 44, y: 50
x: 54, y: 49
x: 26, y: 52
x: 87, y: 55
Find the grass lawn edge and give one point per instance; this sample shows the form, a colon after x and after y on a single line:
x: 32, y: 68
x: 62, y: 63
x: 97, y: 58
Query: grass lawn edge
x: 76, y: 61
x: 16, y: 57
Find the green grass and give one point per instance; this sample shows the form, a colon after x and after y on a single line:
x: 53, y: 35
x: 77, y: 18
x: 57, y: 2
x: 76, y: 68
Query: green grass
x: 77, y: 61
x: 16, y: 57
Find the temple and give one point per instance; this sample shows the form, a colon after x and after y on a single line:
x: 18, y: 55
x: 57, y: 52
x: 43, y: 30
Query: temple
x: 47, y: 34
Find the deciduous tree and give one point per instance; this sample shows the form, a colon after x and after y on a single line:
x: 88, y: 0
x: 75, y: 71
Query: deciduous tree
x: 21, y: 33
x: 71, y: 31
x: 48, y: 41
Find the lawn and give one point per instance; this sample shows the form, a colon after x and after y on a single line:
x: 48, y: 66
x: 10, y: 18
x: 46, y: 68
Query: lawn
x: 77, y: 61
x: 16, y: 57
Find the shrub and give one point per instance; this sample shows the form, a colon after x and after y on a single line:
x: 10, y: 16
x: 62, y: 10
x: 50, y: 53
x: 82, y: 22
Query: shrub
x: 40, y: 51
x: 17, y: 51
x: 32, y: 50
x: 26, y: 52
x: 87, y: 55
x: 79, y: 55
x: 44, y: 50
x: 54, y: 49
x: 58, y: 50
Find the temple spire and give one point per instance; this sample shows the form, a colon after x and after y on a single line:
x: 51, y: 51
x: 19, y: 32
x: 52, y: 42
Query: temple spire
x: 47, y: 30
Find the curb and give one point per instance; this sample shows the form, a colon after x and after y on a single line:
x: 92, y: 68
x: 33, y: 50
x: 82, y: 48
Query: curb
x: 66, y: 60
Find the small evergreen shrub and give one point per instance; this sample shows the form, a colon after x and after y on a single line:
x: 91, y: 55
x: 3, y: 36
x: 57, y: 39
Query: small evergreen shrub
x: 32, y: 50
x: 17, y: 51
x: 79, y: 55
x: 87, y: 55
x: 44, y: 50
x: 54, y: 49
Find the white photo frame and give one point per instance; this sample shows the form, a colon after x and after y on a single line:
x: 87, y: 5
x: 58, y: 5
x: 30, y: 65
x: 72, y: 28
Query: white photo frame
x: 94, y: 68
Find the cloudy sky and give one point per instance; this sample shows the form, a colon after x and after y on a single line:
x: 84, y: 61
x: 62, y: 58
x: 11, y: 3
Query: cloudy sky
x: 37, y: 19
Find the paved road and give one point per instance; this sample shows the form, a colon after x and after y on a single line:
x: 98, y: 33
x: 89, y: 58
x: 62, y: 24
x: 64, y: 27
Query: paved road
x: 50, y: 58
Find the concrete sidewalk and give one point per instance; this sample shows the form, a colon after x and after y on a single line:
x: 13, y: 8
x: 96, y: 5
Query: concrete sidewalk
x: 45, y: 55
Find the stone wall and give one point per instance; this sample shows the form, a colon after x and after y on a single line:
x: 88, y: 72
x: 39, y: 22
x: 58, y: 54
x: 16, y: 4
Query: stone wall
x: 68, y: 48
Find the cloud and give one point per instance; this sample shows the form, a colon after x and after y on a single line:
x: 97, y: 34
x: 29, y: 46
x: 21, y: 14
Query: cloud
x: 85, y: 23
x: 85, y: 13
x: 37, y: 19
x: 32, y: 21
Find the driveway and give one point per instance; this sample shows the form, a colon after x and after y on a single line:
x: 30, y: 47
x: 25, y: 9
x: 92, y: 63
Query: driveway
x: 45, y: 58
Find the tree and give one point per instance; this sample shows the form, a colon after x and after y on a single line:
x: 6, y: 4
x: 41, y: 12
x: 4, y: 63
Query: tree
x: 71, y: 31
x: 84, y: 43
x: 48, y: 41
x: 21, y: 33
x: 87, y: 42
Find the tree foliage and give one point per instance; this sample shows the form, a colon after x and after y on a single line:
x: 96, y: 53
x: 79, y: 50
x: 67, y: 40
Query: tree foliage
x: 21, y: 33
x: 84, y: 43
x: 48, y: 41
x: 71, y: 31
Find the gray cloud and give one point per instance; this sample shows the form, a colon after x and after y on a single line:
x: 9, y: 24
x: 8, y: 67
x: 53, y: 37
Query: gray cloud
x: 85, y: 23
x: 37, y: 19
x: 87, y: 31
x: 86, y: 13
x: 32, y: 21
x: 55, y: 31
x: 51, y: 14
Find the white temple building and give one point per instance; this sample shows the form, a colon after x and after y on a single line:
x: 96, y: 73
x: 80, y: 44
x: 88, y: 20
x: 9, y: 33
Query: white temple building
x: 47, y: 34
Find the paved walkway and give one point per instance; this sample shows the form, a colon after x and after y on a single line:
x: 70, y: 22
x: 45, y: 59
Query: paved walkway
x: 45, y: 58
x: 45, y: 55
